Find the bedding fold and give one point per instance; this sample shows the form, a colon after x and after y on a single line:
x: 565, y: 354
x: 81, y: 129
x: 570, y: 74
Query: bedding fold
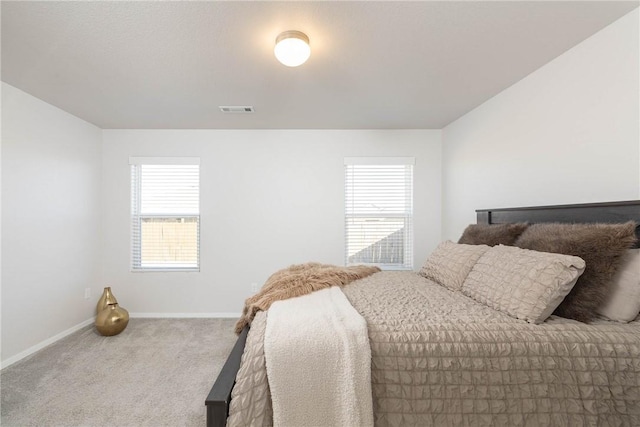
x: 305, y: 339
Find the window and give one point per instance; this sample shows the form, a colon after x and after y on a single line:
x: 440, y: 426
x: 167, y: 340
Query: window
x: 165, y: 214
x: 379, y: 211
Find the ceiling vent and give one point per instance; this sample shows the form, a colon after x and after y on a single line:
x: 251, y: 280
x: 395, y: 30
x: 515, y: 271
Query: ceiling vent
x: 236, y: 108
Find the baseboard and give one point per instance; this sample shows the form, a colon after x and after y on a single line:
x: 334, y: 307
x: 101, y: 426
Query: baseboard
x: 185, y: 315
x: 43, y: 344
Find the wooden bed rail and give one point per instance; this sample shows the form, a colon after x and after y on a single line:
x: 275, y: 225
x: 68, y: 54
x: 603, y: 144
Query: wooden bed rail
x: 219, y: 397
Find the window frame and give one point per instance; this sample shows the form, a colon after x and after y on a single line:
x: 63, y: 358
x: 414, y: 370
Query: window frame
x: 136, y: 216
x: 407, y: 215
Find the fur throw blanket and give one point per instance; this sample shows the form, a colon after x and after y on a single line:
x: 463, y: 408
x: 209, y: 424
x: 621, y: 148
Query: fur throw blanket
x: 298, y: 280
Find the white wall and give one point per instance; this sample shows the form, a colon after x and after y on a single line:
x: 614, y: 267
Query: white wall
x: 51, y: 206
x: 269, y: 198
x: 568, y: 133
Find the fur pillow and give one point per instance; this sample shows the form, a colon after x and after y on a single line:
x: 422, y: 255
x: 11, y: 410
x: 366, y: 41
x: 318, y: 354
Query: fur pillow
x: 492, y: 235
x: 601, y: 246
x: 450, y: 263
x: 524, y: 284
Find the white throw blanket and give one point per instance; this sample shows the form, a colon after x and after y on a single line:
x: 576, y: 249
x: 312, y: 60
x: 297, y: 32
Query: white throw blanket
x: 318, y: 361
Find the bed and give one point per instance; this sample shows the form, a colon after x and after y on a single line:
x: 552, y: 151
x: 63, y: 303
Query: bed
x: 467, y: 363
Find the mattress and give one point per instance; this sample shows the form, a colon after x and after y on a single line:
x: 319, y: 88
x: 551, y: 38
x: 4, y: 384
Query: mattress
x: 440, y: 358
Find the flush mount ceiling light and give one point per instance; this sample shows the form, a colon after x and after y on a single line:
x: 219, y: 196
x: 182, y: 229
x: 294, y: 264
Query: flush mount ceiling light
x: 292, y: 48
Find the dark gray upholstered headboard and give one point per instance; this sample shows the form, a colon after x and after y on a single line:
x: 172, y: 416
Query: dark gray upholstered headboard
x: 608, y: 212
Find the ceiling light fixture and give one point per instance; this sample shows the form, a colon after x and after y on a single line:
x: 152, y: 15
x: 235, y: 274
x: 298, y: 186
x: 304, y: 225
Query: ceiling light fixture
x: 292, y: 48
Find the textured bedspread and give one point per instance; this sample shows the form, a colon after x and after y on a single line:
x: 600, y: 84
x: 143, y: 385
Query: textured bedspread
x: 439, y: 358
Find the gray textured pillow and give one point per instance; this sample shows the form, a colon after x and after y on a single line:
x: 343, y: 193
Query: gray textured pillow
x: 492, y: 235
x: 524, y: 284
x: 450, y: 263
x: 623, y: 303
x: 601, y: 246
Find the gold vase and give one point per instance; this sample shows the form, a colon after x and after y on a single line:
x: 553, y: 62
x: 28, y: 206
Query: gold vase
x: 106, y: 299
x: 112, y: 320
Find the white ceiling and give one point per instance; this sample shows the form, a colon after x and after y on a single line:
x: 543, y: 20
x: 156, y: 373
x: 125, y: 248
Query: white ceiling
x: 376, y: 65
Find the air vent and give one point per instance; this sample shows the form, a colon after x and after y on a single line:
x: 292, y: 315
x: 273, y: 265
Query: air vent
x: 236, y: 108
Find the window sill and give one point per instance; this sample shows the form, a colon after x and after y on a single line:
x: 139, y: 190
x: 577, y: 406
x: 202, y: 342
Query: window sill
x: 394, y: 268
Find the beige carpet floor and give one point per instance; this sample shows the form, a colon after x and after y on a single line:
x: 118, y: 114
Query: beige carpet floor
x: 157, y: 372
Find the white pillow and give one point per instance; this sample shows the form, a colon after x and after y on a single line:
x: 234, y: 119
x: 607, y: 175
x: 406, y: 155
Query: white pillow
x: 522, y: 283
x: 623, y: 303
x: 451, y: 262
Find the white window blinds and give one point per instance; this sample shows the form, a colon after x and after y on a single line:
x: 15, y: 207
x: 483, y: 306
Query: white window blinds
x: 165, y: 214
x: 379, y: 211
